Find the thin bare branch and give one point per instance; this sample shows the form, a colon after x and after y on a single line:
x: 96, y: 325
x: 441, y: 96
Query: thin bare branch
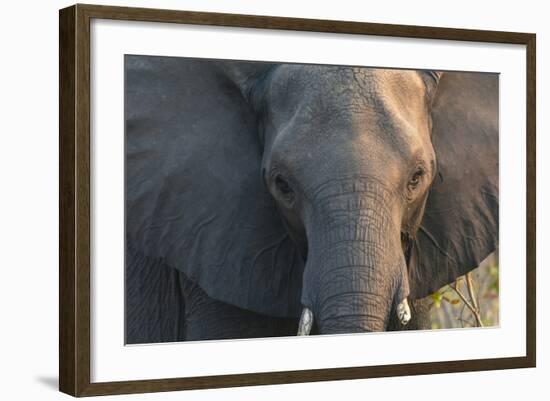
x: 471, y: 291
x: 468, y: 304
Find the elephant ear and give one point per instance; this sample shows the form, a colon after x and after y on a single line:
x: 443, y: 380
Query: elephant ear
x: 460, y: 224
x: 195, y: 198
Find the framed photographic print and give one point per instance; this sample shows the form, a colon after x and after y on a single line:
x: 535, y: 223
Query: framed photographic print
x: 251, y: 200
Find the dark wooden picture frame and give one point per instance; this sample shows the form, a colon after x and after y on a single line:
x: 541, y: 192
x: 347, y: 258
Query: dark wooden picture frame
x: 74, y: 203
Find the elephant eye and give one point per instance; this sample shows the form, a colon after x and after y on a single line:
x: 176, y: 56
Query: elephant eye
x: 284, y: 189
x: 415, y: 179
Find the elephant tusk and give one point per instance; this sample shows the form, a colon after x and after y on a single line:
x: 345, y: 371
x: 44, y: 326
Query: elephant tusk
x: 306, y: 322
x: 404, y: 312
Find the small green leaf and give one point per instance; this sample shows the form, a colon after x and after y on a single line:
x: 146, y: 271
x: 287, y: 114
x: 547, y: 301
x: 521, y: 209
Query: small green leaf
x: 437, y: 297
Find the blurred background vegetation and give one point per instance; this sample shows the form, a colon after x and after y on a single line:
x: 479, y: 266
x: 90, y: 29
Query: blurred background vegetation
x: 472, y: 301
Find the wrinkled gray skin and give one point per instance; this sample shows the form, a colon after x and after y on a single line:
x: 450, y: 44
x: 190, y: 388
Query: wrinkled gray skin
x: 255, y: 190
x: 349, y: 147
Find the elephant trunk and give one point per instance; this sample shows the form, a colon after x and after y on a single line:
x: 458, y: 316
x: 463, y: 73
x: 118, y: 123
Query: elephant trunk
x: 355, y: 274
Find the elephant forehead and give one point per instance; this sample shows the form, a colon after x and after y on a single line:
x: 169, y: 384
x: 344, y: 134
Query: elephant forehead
x: 347, y: 86
x: 318, y: 131
x: 352, y: 100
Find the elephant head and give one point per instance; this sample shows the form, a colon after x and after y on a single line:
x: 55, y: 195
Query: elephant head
x: 334, y: 193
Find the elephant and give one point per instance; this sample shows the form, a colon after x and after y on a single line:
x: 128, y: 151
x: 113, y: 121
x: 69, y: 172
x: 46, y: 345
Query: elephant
x: 278, y: 199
